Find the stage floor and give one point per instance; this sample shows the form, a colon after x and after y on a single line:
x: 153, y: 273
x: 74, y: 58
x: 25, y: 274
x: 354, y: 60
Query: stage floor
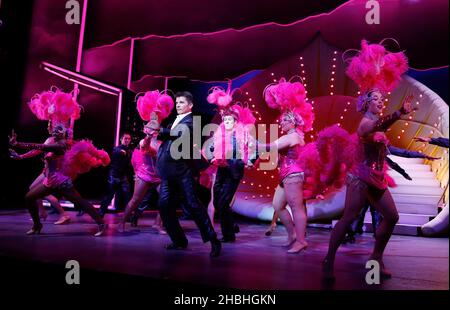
x: 254, y: 261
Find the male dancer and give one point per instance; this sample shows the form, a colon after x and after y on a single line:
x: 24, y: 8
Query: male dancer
x: 119, y: 169
x: 177, y: 175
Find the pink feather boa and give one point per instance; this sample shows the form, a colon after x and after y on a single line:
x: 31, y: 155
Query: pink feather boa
x: 82, y: 157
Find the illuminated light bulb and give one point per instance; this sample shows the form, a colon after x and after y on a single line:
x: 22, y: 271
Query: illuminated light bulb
x: 332, y: 86
x: 265, y: 172
x: 272, y: 74
x: 312, y: 101
x: 398, y: 137
x: 332, y: 79
x: 250, y: 99
x: 334, y: 66
x: 312, y: 108
x: 420, y: 95
x: 268, y: 195
x: 245, y: 197
x: 389, y: 92
x: 432, y: 132
x: 303, y: 71
x: 268, y: 187
x: 345, y: 110
x: 306, y: 91
x: 259, y: 118
x: 332, y: 72
x: 359, y: 93
x: 334, y: 59
x: 435, y: 125
x: 335, y: 52
x: 260, y: 196
x: 406, y: 124
x: 410, y: 117
x: 331, y: 93
x: 272, y: 176
x: 243, y: 182
x: 339, y: 124
x: 403, y: 130
x: 246, y: 92
x: 251, y: 184
x: 342, y: 117
x: 253, y: 105
x: 274, y: 80
x: 259, y: 185
x: 348, y: 103
x: 301, y: 58
x: 386, y: 100
x: 253, y: 197
x: 311, y: 136
x: 417, y: 102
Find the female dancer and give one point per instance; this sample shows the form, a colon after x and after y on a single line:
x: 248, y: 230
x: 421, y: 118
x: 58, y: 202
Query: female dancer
x: 290, y: 189
x: 56, y: 181
x: 153, y: 107
x: 296, y: 117
x: 368, y: 180
x: 54, y: 202
x: 146, y: 178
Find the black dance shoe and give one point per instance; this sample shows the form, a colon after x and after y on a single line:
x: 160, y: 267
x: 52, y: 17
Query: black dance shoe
x: 173, y: 246
x: 216, y: 247
x: 228, y: 239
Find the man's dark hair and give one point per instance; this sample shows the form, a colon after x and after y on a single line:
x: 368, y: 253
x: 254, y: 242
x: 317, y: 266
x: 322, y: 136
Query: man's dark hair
x: 186, y: 95
x: 125, y: 134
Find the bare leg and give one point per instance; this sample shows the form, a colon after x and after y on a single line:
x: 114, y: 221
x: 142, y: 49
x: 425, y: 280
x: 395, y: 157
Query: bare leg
x: 355, y: 199
x: 140, y: 189
x: 294, y: 197
x: 279, y: 204
x: 64, y: 218
x: 273, y: 224
x: 36, y: 192
x: 384, y: 204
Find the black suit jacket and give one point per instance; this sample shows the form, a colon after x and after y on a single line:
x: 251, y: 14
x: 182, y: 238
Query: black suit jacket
x: 169, y: 167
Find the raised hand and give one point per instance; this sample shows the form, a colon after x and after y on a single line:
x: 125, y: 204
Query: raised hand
x: 407, y: 106
x: 14, y: 155
x: 422, y: 139
x: 432, y: 158
x: 12, y: 138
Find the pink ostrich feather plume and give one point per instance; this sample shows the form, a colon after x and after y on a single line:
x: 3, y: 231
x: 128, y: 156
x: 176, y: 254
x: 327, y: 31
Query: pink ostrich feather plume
x: 375, y: 67
x: 290, y: 96
x: 154, y: 102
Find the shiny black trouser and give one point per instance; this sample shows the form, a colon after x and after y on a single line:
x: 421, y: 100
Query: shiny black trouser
x: 168, y: 202
x: 119, y: 187
x: 225, y: 186
x: 357, y: 225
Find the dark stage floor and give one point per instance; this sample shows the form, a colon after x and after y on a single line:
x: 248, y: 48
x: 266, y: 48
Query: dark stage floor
x: 253, y: 262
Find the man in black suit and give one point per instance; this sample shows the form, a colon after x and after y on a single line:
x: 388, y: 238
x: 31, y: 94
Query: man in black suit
x: 176, y: 168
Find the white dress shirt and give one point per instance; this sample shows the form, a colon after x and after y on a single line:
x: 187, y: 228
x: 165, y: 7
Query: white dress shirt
x: 178, y: 119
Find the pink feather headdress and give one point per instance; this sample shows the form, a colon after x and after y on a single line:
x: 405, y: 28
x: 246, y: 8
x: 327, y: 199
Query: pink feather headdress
x: 154, y: 102
x: 288, y: 96
x: 376, y: 68
x: 55, y: 106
